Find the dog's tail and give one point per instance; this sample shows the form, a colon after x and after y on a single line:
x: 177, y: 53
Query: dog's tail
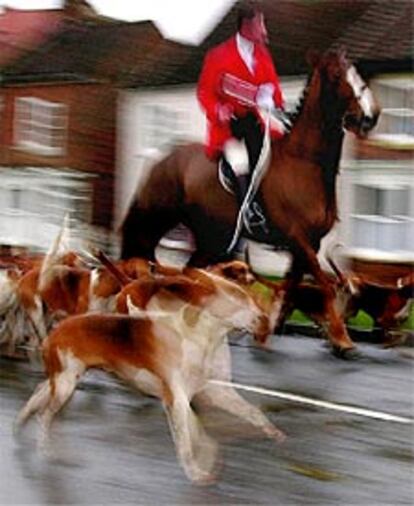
x: 339, y: 274
x: 333, y: 265
x: 120, y: 276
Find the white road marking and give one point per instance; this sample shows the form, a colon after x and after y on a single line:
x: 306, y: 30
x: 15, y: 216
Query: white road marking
x: 355, y: 410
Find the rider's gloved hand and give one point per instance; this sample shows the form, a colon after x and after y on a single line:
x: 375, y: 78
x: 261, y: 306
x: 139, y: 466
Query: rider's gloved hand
x: 224, y: 112
x: 264, y: 96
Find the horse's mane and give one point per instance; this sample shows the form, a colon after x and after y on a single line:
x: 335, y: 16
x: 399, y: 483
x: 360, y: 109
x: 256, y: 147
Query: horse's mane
x: 294, y: 114
x: 332, y: 130
x: 330, y: 122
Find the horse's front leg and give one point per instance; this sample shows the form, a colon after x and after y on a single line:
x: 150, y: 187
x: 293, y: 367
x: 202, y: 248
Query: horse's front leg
x: 335, y: 326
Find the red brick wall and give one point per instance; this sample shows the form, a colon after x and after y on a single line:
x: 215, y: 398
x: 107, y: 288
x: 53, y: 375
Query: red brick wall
x: 381, y: 272
x: 90, y: 138
x: 369, y: 151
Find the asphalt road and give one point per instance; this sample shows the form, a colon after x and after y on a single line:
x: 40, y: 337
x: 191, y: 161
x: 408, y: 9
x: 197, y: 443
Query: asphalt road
x: 111, y: 446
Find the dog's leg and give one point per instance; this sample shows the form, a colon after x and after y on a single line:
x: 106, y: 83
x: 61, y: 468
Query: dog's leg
x: 65, y: 384
x: 37, y: 402
x: 187, y: 433
x: 227, y: 399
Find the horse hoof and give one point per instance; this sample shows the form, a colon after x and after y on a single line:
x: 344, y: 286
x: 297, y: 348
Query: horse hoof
x: 346, y: 353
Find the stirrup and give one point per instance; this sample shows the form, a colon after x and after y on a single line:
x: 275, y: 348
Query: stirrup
x: 254, y: 218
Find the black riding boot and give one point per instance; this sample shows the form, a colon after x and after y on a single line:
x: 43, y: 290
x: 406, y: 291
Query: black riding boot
x: 241, y: 190
x: 242, y: 187
x: 253, y: 214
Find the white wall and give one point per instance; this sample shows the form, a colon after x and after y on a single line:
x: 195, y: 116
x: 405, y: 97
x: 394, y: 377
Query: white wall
x: 135, y: 154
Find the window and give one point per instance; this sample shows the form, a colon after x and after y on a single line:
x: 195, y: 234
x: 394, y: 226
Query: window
x: 162, y: 126
x: 381, y: 218
x: 34, y: 201
x: 40, y: 126
x: 381, y: 213
x: 396, y: 123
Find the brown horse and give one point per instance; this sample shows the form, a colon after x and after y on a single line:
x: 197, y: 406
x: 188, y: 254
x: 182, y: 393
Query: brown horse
x: 297, y: 191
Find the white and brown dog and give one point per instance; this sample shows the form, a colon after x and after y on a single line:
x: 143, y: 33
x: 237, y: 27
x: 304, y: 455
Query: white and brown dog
x: 171, y: 350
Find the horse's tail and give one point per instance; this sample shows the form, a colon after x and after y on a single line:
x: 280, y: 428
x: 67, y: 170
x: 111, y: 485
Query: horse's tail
x: 339, y: 274
x: 347, y: 282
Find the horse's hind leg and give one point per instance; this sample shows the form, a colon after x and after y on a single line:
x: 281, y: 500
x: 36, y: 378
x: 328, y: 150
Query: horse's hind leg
x: 337, y: 332
x: 142, y: 231
x: 211, y: 240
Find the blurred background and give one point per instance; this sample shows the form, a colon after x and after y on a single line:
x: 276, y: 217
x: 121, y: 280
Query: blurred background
x: 87, y: 101
x: 91, y: 93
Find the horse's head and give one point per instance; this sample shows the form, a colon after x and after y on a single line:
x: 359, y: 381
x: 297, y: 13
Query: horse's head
x: 341, y: 81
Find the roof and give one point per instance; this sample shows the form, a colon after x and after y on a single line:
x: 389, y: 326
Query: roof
x: 378, y: 34
x: 88, y: 51
x: 21, y: 30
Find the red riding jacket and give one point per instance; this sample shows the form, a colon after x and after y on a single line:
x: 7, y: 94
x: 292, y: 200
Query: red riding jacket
x: 225, y: 60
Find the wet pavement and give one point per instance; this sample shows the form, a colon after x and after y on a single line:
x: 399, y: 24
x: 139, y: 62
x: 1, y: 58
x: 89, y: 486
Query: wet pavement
x: 111, y: 446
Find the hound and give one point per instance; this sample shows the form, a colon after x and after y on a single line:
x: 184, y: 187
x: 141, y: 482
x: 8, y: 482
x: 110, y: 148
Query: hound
x: 170, y: 351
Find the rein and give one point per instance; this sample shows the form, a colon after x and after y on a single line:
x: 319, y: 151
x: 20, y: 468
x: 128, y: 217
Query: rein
x: 259, y: 171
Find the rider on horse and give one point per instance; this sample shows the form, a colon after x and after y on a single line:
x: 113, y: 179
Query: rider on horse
x: 238, y: 78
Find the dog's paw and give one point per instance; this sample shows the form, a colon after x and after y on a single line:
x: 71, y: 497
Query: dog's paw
x: 276, y: 434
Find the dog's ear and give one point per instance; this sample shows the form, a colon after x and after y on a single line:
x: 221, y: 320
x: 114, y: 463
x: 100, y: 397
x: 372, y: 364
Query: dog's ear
x: 139, y: 291
x: 233, y: 271
x: 190, y: 290
x: 244, y: 274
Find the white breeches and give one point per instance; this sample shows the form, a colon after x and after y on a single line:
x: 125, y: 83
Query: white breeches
x: 235, y: 152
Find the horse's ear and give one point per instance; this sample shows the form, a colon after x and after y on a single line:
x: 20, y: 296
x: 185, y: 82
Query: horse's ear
x: 313, y: 57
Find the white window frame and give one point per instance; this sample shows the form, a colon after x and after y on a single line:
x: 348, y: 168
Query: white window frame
x: 395, y: 94
x: 34, y: 200
x: 34, y: 132
x: 387, y: 231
